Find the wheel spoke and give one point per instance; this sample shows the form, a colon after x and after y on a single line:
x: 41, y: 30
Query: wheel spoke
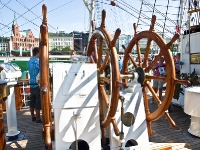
x: 102, y: 117
x: 146, y: 56
x: 139, y: 53
x: 145, y: 100
x: 149, y: 125
x: 104, y: 63
x: 95, y: 50
x: 153, y: 63
x: 133, y: 61
x: 137, y: 46
x: 101, y: 107
x: 171, y: 121
x: 160, y: 78
x: 100, y: 53
x: 92, y: 60
x: 116, y: 130
x: 104, y: 96
x: 104, y: 79
x: 154, y: 94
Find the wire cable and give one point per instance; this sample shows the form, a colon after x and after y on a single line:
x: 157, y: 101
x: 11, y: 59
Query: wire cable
x: 21, y: 15
x: 34, y: 13
x: 165, y: 19
x: 145, y: 17
x: 41, y: 15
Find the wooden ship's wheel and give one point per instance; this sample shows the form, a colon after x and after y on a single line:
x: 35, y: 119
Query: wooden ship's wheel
x: 143, y: 67
x: 101, y: 43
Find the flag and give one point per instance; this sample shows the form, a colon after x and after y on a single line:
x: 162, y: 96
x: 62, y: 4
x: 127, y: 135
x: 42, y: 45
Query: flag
x: 178, y: 29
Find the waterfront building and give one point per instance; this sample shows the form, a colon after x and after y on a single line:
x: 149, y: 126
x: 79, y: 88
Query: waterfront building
x: 80, y: 41
x: 4, y: 43
x: 122, y: 40
x: 24, y: 39
x: 125, y: 40
x: 60, y: 40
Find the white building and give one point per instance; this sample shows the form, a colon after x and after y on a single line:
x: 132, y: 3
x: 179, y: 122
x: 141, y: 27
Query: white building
x: 61, y: 40
x: 4, y: 43
x: 126, y: 39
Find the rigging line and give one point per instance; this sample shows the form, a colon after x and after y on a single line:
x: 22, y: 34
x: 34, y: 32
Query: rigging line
x: 184, y: 10
x: 157, y: 11
x: 102, y: 2
x: 2, y: 20
x: 157, y: 19
x: 165, y: 19
x: 140, y: 13
x: 34, y: 13
x: 115, y: 18
x: 41, y: 15
x: 84, y: 18
x: 4, y: 25
x: 0, y: 11
x: 4, y: 5
x: 178, y: 14
x: 21, y: 14
x: 61, y: 6
x: 120, y: 19
x: 154, y: 7
x: 140, y: 19
x: 135, y: 10
x: 161, y: 20
x: 147, y: 4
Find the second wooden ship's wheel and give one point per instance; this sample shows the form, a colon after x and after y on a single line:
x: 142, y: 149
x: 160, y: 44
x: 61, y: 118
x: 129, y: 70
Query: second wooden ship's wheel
x: 143, y: 67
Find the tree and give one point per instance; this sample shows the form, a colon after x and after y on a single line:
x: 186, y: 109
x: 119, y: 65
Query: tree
x: 174, y: 48
x: 67, y: 48
x: 54, y: 49
x: 142, y: 50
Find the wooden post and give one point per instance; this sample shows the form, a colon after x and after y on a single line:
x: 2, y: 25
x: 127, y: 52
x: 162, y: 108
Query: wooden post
x: 2, y: 132
x: 18, y: 97
x: 4, y: 92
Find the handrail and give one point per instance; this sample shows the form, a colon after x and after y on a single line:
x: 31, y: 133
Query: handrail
x: 44, y: 80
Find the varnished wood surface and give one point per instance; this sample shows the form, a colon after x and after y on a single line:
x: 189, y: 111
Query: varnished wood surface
x: 18, y: 97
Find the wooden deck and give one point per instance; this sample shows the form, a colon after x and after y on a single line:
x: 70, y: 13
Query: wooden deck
x: 163, y: 133
x: 30, y: 132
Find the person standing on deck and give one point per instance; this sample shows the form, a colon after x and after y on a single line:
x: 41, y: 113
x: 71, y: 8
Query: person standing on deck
x: 35, y: 103
x: 159, y: 70
x: 177, y: 64
x: 73, y: 52
x: 120, y: 62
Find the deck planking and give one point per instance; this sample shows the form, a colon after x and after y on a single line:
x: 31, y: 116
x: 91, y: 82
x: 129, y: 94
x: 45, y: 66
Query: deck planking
x: 163, y: 133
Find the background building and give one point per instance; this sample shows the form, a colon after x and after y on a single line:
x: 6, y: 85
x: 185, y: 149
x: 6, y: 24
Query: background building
x: 4, y: 43
x: 24, y: 40
x: 61, y: 40
x: 80, y: 41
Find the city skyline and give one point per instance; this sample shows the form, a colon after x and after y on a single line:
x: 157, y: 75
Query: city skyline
x: 29, y: 15
x: 72, y: 15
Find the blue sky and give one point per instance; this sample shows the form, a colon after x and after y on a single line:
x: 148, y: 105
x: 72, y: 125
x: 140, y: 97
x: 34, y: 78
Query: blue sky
x: 72, y: 15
